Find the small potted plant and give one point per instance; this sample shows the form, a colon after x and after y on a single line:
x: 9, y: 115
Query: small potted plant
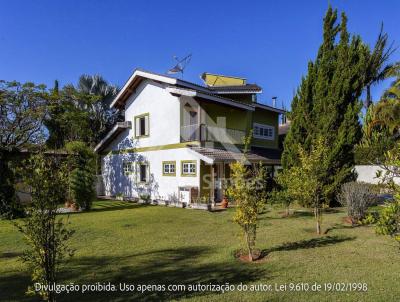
x: 225, y: 202
x: 68, y: 203
x: 75, y: 207
x: 119, y: 196
x: 145, y: 198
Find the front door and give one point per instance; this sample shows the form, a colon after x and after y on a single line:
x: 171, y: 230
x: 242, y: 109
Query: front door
x: 184, y: 195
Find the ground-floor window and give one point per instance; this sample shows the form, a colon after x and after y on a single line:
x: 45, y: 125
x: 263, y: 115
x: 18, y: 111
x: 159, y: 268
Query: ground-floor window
x: 127, y: 168
x: 143, y: 172
x: 169, y: 168
x: 188, y: 168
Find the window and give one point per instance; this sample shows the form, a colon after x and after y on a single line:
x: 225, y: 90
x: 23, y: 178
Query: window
x: 264, y: 131
x: 127, y: 168
x: 169, y: 168
x: 142, y: 125
x: 188, y: 168
x: 143, y: 172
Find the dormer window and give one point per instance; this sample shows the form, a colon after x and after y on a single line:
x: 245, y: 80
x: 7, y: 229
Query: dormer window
x: 262, y: 131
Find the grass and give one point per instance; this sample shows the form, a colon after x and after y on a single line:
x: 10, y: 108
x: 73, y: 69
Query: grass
x: 138, y: 244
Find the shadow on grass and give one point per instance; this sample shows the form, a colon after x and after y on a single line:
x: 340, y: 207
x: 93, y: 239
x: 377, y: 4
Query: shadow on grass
x: 339, y: 226
x: 297, y: 214
x: 167, y: 266
x: 308, y: 244
x: 116, y: 205
x: 13, y: 287
x: 9, y: 255
x: 110, y: 206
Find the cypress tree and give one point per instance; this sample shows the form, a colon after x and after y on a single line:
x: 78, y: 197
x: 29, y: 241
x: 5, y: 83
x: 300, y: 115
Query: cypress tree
x: 327, y: 104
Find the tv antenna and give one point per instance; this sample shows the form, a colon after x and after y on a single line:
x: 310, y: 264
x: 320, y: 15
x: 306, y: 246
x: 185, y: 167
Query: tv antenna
x: 180, y: 65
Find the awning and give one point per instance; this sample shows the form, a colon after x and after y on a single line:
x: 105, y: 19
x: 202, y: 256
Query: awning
x: 214, y: 155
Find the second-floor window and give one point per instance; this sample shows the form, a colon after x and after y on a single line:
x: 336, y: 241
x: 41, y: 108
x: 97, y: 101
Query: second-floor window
x: 142, y: 125
x: 263, y: 131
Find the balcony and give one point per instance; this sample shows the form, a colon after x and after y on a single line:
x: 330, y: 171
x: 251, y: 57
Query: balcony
x: 206, y: 133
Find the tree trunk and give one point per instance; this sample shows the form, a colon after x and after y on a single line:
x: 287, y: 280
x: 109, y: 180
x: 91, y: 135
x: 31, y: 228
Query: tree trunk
x: 249, y: 250
x: 368, y: 100
x: 317, y: 218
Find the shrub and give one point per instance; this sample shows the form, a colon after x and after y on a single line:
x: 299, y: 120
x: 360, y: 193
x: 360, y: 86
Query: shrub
x: 82, y: 161
x: 357, y: 197
x: 81, y: 182
x: 389, y: 220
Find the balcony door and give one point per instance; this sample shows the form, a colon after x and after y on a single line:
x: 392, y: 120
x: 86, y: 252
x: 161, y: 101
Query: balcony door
x: 190, y: 123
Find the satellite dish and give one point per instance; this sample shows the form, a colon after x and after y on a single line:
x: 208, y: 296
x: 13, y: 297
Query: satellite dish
x: 181, y: 65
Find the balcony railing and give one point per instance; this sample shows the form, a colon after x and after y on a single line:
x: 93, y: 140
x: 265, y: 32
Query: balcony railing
x: 206, y: 133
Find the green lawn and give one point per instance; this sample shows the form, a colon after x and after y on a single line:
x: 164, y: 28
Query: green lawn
x: 137, y: 244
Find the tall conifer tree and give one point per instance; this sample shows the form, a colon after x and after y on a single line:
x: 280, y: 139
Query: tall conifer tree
x: 327, y: 104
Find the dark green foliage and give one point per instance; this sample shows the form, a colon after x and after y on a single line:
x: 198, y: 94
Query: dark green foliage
x: 10, y: 207
x: 46, y: 236
x: 327, y: 104
x: 82, y: 176
x: 82, y: 182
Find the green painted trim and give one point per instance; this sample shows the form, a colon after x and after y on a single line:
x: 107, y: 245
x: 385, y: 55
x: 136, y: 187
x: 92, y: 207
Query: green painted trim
x: 188, y: 162
x: 153, y: 148
x: 134, y: 121
x: 168, y: 162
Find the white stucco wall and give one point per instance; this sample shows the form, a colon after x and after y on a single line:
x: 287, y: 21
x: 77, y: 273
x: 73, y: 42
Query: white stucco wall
x: 160, y: 186
x: 164, y: 114
x: 367, y: 173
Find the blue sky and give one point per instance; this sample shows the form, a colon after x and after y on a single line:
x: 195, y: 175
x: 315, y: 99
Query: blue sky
x: 268, y: 42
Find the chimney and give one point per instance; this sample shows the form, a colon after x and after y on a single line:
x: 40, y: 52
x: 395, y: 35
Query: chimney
x: 274, y: 101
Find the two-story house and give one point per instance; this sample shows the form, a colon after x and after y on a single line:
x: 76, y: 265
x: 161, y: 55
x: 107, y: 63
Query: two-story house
x: 179, y: 138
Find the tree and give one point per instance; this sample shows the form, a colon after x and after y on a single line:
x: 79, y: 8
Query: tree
x: 381, y: 127
x: 303, y: 182
x: 102, y: 118
x: 82, y: 177
x: 377, y: 68
x: 46, y: 236
x: 282, y: 194
x: 248, y: 190
x: 81, y: 113
x: 22, y: 111
x: 327, y: 104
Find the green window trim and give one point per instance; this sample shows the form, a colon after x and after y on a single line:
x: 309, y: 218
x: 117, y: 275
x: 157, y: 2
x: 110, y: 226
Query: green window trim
x: 137, y: 135
x: 171, y: 162
x: 188, y: 174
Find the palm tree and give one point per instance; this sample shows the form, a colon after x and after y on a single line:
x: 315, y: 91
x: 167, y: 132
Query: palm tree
x: 101, y: 116
x: 387, y: 110
x: 377, y: 68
